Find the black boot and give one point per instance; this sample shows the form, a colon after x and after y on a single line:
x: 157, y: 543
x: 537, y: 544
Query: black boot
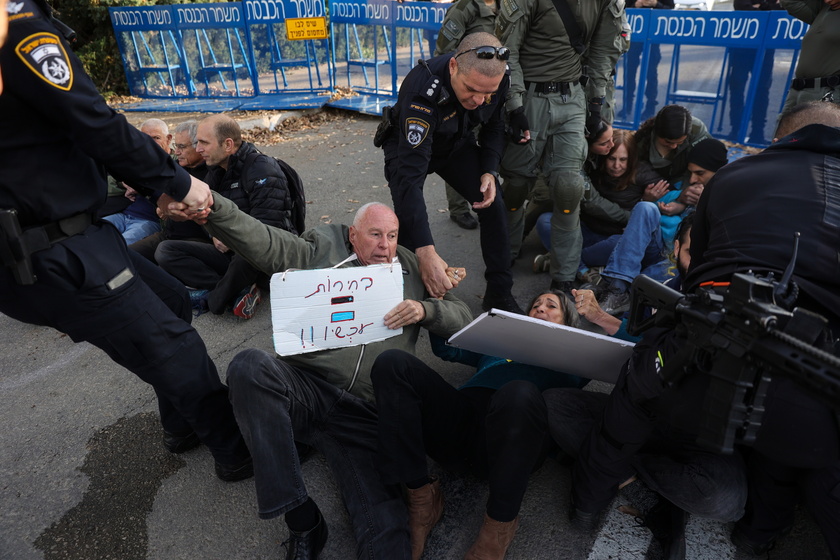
x: 307, y: 545
x: 505, y: 302
x: 667, y: 523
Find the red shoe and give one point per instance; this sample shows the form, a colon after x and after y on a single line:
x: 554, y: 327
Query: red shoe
x: 246, y: 305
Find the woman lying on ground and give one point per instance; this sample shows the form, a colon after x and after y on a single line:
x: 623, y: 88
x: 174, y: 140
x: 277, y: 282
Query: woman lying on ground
x: 494, y: 426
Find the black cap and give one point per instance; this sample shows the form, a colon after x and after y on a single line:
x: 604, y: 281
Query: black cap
x: 710, y: 154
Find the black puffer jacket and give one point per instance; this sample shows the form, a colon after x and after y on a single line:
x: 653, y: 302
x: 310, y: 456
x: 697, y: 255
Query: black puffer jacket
x: 258, y: 186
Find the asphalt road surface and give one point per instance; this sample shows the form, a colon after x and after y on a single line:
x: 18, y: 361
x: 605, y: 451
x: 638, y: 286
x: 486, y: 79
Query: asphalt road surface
x: 84, y: 475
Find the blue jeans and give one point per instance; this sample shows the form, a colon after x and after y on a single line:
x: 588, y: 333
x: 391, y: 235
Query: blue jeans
x: 596, y: 247
x: 277, y: 404
x: 133, y: 229
x: 640, y: 248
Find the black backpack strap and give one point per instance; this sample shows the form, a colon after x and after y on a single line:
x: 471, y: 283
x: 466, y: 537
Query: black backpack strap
x: 572, y: 28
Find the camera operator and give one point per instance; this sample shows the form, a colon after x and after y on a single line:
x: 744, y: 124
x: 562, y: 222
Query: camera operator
x: 746, y: 220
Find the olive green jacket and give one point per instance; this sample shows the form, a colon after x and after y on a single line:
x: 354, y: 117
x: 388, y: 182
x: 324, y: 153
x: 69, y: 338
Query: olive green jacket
x: 541, y: 50
x: 273, y: 250
x: 462, y: 18
x: 820, y: 54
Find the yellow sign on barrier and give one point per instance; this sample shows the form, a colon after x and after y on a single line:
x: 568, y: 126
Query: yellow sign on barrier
x: 299, y: 29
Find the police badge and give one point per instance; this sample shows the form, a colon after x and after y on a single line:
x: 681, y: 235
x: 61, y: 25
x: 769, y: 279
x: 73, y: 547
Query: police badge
x: 44, y: 54
x: 415, y: 131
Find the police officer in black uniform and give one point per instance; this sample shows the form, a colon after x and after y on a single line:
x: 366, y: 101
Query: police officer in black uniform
x: 63, y: 268
x: 745, y: 221
x: 440, y: 103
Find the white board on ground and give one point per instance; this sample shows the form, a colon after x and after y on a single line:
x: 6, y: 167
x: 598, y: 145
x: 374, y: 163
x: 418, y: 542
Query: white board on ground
x: 540, y: 343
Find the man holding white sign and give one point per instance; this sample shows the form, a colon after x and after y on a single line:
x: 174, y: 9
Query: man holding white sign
x: 323, y: 398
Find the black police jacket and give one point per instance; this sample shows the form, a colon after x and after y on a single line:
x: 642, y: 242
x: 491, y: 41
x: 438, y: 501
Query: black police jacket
x: 58, y: 136
x: 751, y: 208
x: 431, y: 124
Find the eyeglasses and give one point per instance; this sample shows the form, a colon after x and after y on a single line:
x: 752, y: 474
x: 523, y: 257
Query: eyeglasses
x: 502, y: 53
x: 185, y: 146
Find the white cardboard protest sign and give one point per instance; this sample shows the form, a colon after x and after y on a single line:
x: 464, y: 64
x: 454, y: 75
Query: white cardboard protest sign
x: 549, y: 345
x: 325, y: 308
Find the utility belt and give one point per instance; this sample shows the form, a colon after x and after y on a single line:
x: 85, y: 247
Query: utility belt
x: 806, y: 83
x: 17, y: 245
x: 563, y: 88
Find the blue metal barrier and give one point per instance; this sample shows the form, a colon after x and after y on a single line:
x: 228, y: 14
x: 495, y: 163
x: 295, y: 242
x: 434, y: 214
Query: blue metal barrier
x: 731, y: 69
x: 376, y: 43
x: 151, y: 52
x: 718, y: 64
x: 292, y: 73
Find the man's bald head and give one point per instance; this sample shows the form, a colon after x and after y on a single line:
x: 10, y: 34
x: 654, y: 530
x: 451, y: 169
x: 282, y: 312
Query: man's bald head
x: 373, y: 234
x: 223, y: 127
x: 218, y: 137
x: 812, y: 112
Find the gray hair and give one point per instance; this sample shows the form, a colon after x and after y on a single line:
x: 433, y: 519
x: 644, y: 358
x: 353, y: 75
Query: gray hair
x: 156, y: 124
x: 190, y: 127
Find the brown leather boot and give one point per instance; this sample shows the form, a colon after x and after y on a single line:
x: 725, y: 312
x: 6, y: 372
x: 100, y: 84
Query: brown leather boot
x: 425, y: 508
x: 493, y: 540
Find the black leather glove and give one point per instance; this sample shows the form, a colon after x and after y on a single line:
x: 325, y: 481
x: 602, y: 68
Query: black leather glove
x: 594, y: 123
x: 517, y: 124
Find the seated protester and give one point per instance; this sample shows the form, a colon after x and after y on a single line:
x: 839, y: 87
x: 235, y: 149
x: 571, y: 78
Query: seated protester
x: 258, y: 186
x: 605, y: 208
x: 493, y: 426
x: 640, y: 249
x: 664, y: 142
x: 189, y: 159
x: 139, y: 219
x: 116, y: 201
x: 665, y: 476
x: 587, y: 304
x: 322, y: 399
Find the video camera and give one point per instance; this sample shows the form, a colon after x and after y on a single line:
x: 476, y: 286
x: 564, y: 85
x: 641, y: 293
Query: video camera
x: 741, y: 334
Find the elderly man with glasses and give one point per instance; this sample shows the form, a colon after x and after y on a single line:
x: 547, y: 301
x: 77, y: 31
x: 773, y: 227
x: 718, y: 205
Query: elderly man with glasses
x: 193, y: 163
x: 431, y: 130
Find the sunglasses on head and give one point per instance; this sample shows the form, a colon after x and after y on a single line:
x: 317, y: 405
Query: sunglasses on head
x: 502, y: 53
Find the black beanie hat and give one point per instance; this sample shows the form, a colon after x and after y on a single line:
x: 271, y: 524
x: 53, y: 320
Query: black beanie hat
x: 710, y: 154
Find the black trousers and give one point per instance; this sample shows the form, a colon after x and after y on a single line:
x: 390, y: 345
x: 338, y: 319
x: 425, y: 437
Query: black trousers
x: 774, y: 491
x: 131, y: 323
x: 462, y: 170
x: 501, y: 435
x: 147, y: 246
x: 201, y: 265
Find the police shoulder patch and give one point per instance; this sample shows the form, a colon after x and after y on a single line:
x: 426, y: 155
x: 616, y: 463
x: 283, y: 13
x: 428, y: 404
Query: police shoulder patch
x: 416, y: 131
x: 44, y: 54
